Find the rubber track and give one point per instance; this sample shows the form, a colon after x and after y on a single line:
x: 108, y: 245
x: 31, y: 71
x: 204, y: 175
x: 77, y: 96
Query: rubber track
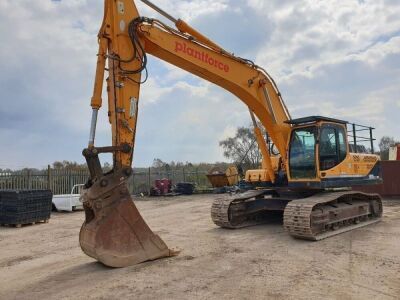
x: 222, y: 205
x: 297, y: 215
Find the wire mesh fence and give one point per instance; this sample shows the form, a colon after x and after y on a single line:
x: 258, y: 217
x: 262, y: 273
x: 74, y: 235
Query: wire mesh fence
x: 142, y: 180
x: 62, y: 181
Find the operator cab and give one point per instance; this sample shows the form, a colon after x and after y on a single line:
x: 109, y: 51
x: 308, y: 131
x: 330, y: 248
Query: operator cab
x: 329, y: 134
x: 319, y: 152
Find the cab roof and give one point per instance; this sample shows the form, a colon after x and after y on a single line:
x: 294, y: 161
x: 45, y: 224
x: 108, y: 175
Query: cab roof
x: 313, y: 119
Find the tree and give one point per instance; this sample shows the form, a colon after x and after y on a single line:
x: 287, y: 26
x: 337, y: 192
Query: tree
x: 384, y: 145
x: 158, y: 163
x: 242, y: 148
x: 68, y: 165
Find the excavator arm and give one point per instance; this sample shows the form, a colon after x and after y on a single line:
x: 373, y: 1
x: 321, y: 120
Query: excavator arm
x: 114, y: 231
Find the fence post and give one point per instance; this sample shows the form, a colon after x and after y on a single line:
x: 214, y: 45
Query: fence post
x: 149, y: 180
x: 70, y: 179
x: 29, y: 180
x: 197, y: 176
x: 48, y: 177
x: 183, y: 172
x: 132, y: 178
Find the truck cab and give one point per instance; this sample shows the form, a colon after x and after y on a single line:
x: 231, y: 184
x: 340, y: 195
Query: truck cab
x: 69, y: 202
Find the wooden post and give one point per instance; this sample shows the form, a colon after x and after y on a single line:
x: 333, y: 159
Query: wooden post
x: 183, y: 172
x: 197, y: 176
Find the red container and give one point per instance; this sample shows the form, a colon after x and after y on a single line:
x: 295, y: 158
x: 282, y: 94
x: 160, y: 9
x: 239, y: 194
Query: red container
x: 163, y: 185
x: 391, y: 180
x: 398, y: 152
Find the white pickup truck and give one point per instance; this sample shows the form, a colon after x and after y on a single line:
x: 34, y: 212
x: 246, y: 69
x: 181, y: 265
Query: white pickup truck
x: 69, y: 202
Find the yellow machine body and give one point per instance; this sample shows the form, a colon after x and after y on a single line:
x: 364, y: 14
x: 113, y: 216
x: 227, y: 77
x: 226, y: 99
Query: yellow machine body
x: 262, y: 175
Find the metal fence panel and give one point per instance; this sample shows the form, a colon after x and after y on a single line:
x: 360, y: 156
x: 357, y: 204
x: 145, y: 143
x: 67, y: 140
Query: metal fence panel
x: 62, y: 181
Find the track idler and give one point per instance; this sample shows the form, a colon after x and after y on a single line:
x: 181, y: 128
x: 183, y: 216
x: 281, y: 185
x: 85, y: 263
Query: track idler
x: 114, y: 232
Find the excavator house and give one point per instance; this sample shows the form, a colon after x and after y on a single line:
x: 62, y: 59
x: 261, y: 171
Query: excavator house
x: 308, y: 176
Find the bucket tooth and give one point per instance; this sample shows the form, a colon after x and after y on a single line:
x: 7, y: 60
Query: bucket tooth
x: 114, y: 232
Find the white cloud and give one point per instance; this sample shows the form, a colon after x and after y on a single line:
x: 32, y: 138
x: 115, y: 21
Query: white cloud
x: 310, y: 34
x: 229, y: 131
x: 377, y: 52
x: 185, y: 10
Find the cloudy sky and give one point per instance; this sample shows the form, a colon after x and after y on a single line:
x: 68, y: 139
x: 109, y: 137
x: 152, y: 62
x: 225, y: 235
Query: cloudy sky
x: 334, y: 58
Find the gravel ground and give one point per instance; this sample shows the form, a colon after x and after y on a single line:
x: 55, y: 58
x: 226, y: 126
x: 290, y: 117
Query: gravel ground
x: 262, y: 262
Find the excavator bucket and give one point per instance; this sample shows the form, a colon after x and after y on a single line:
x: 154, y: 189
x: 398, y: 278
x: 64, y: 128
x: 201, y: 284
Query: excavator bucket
x: 114, y: 232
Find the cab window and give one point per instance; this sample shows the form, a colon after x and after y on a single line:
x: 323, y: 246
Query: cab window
x: 332, y: 146
x: 302, y: 153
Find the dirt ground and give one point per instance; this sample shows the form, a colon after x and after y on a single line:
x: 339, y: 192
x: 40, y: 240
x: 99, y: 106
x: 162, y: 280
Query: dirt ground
x: 45, y: 262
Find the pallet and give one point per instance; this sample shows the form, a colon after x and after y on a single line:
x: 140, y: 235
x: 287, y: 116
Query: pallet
x: 25, y: 224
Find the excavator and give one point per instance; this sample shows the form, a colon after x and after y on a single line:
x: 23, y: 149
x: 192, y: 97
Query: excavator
x: 308, y: 178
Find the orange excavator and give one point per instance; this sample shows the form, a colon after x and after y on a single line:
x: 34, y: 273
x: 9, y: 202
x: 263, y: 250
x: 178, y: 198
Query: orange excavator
x: 308, y: 178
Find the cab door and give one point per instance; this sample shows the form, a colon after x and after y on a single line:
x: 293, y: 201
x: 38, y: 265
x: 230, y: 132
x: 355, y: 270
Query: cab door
x: 332, y: 146
x: 302, y: 153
